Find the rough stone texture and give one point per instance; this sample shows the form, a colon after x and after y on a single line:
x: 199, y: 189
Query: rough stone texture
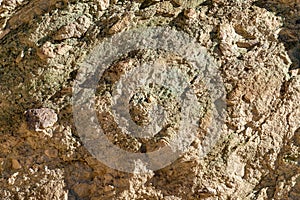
x: 256, y: 44
x: 40, y: 118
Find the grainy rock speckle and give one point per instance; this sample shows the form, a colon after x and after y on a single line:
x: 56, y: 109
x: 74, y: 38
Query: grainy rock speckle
x: 256, y: 46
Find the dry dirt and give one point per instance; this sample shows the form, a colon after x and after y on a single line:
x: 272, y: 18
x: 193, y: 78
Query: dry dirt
x: 256, y: 45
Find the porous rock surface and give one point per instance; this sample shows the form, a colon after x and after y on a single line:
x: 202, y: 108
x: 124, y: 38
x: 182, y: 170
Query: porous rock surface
x: 256, y: 45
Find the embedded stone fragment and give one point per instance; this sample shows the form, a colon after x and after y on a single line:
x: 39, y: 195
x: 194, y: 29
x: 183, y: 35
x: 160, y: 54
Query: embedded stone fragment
x: 51, y: 153
x: 40, y: 118
x: 46, y: 51
x: 15, y: 164
x: 4, y: 32
x: 166, y: 8
x: 82, y: 189
x: 228, y: 38
x: 76, y: 29
x: 103, y: 4
x: 62, y: 49
x: 190, y: 13
x: 188, y: 3
x: 120, y: 25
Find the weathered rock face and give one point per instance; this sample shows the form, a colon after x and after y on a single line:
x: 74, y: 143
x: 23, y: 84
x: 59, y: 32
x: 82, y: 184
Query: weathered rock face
x: 256, y: 45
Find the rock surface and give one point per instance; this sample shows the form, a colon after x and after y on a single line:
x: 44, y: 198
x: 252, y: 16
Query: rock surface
x: 256, y: 44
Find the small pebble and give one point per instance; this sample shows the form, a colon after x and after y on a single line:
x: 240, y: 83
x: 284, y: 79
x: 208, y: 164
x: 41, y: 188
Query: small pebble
x: 46, y: 51
x: 40, y: 118
x: 51, y: 153
x: 15, y: 164
x: 190, y: 13
x: 120, y: 25
x: 108, y: 188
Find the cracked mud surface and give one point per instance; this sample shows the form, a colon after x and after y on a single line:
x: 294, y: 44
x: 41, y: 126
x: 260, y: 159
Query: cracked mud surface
x: 256, y: 45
